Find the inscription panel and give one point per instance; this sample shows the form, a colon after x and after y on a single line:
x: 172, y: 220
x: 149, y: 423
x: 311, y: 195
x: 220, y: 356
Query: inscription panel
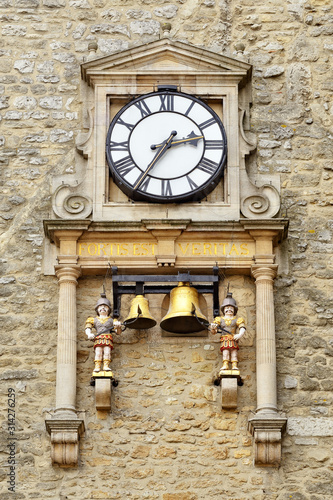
x: 150, y: 249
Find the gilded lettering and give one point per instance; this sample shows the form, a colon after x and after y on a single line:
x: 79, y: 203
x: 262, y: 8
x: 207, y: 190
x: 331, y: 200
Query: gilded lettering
x: 144, y: 249
x: 94, y: 247
x: 207, y: 248
x: 81, y: 247
x: 101, y: 248
x: 234, y: 249
x: 223, y: 244
x: 124, y: 248
x: 195, y: 250
x: 181, y: 248
x: 246, y: 250
x: 153, y: 248
x: 136, y: 247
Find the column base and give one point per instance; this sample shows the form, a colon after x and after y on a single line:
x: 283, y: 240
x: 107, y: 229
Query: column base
x: 267, y: 431
x: 65, y: 436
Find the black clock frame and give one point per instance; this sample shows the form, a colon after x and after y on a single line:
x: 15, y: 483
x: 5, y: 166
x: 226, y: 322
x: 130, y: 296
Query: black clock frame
x: 193, y: 196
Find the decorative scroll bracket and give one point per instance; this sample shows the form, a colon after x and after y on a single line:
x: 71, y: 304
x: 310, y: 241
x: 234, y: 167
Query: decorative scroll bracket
x: 65, y: 437
x: 267, y: 431
x: 262, y: 200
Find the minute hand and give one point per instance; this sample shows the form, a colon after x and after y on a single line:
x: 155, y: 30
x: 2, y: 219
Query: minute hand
x: 192, y: 139
x: 162, y: 150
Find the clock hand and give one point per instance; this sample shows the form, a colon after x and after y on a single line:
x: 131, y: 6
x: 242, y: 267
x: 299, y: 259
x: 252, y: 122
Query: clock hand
x: 192, y: 139
x: 162, y: 149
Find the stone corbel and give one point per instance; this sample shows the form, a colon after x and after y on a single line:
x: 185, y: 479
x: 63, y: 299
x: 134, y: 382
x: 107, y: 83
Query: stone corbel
x: 103, y: 393
x: 229, y: 386
x: 65, y: 437
x: 257, y: 200
x: 267, y: 432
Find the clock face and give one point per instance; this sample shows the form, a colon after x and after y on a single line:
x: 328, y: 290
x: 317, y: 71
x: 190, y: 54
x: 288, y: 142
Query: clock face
x: 166, y: 147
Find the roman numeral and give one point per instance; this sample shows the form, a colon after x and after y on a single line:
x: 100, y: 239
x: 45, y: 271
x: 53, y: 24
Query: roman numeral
x: 187, y: 112
x: 143, y: 108
x: 214, y: 144
x: 167, y: 102
x: 208, y: 166
x: 130, y: 126
x: 145, y: 184
x: 207, y: 123
x: 191, y: 183
x: 166, y: 188
x: 124, y: 165
x: 118, y: 146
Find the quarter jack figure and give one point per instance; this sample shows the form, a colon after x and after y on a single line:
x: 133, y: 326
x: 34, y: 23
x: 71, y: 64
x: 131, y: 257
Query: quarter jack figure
x: 104, y: 326
x: 228, y: 324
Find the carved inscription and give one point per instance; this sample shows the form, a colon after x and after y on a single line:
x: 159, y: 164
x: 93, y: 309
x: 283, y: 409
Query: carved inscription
x: 149, y: 249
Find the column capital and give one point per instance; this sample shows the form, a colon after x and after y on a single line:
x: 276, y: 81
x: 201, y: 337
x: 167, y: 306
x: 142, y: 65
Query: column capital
x: 264, y: 272
x: 68, y: 274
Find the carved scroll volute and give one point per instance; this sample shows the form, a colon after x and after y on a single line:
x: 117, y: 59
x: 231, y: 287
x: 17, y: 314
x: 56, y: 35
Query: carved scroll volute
x: 71, y: 198
x: 83, y: 142
x: 68, y: 203
x: 257, y: 201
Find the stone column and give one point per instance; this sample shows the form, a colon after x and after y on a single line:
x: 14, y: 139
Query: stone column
x: 267, y: 425
x: 265, y: 341
x: 65, y: 428
x: 66, y: 351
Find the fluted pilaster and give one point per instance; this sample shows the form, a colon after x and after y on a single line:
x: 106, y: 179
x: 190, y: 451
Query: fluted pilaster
x: 267, y: 425
x: 66, y: 351
x: 266, y: 351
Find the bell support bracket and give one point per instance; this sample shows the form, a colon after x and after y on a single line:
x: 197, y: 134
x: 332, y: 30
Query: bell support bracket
x: 140, y: 284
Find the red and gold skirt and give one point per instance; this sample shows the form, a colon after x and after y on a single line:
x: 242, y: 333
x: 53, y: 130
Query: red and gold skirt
x: 103, y: 340
x: 228, y: 342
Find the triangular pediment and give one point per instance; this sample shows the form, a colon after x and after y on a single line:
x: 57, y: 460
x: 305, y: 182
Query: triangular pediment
x: 164, y: 56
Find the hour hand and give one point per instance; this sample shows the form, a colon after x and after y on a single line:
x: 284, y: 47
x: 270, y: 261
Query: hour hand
x: 191, y: 139
x: 162, y: 149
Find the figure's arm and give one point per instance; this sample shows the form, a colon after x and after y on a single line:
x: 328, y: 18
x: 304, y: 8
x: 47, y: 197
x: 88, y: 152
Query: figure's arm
x: 117, y: 325
x: 242, y: 329
x: 89, y: 325
x: 213, y: 326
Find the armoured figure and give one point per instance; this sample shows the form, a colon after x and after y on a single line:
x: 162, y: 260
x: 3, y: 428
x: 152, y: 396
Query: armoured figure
x: 104, y: 326
x: 232, y: 329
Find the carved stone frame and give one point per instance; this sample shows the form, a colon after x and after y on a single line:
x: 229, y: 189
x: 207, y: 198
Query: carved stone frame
x: 212, y: 77
x: 81, y: 207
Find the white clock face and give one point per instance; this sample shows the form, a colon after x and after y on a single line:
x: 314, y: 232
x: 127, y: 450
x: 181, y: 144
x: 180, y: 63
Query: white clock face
x: 166, y: 147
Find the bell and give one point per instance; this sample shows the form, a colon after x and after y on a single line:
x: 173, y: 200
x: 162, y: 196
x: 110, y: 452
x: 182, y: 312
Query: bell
x: 184, y: 315
x: 139, y: 317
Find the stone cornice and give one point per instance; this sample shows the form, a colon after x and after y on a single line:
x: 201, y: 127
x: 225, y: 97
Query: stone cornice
x: 278, y: 226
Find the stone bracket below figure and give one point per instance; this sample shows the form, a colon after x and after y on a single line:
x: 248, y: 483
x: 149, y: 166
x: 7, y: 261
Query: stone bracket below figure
x: 229, y: 383
x: 103, y: 381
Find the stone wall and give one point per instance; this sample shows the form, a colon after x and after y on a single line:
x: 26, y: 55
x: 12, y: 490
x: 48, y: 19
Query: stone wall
x: 166, y: 437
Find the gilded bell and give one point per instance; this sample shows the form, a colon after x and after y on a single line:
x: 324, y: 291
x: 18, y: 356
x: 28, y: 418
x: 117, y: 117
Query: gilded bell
x: 184, y: 315
x: 139, y: 317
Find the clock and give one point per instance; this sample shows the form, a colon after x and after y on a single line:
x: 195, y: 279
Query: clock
x: 166, y: 147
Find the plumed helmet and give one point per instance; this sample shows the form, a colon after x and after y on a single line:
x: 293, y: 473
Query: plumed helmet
x: 229, y: 301
x: 101, y: 301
